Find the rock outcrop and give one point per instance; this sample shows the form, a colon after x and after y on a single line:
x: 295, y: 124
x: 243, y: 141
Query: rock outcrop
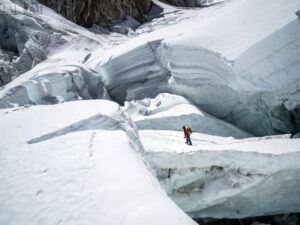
x: 89, y: 12
x: 185, y: 3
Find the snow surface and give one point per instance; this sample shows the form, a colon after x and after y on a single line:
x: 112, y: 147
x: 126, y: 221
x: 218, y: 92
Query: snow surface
x: 69, y: 168
x: 82, y: 162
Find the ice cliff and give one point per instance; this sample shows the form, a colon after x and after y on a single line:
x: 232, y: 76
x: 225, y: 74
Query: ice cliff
x: 200, y: 75
x: 224, y: 178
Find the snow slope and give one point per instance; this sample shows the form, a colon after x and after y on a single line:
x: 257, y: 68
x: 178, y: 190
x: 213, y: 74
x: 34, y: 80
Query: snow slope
x: 226, y: 178
x: 69, y: 168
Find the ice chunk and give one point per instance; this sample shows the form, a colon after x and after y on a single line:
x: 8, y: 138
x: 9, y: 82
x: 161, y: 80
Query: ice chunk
x: 51, y: 85
x: 171, y: 112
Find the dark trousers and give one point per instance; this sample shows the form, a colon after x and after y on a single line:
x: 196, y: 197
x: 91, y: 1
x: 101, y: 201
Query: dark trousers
x: 188, y: 140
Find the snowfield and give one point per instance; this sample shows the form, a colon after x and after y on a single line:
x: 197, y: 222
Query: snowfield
x: 230, y: 71
x: 81, y: 168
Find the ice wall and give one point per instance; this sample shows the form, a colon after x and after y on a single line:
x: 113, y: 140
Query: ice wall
x: 273, y: 64
x: 171, y: 112
x: 228, y: 178
x: 202, y: 76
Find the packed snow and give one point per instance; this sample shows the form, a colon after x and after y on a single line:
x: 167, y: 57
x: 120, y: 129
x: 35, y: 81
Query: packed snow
x: 84, y: 167
x: 230, y: 71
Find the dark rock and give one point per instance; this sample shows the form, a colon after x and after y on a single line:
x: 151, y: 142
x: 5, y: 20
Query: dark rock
x: 185, y: 3
x: 89, y: 12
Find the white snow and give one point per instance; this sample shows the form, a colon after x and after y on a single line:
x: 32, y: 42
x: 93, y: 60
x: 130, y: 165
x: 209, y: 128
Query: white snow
x: 80, y: 167
x: 83, y: 162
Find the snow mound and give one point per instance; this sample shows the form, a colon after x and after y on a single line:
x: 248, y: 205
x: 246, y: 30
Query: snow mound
x: 171, y: 112
x: 226, y: 178
x: 69, y: 168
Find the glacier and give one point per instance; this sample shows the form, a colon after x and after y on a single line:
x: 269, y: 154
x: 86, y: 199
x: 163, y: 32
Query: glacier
x: 230, y: 71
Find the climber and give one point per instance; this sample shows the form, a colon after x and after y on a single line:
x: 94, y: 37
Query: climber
x: 187, y: 133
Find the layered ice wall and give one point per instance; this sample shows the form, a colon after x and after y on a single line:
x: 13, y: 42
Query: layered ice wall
x: 202, y: 76
x: 225, y: 178
x: 273, y: 64
x: 199, y: 64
